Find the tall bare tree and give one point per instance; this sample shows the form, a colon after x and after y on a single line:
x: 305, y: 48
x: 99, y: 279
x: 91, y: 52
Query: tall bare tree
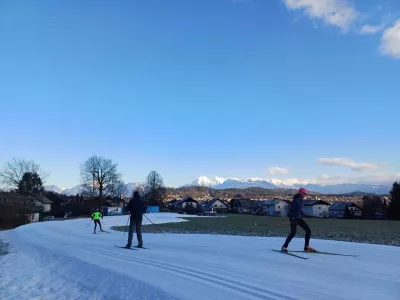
x: 154, y: 190
x: 98, y: 176
x: 14, y: 170
x: 117, y: 189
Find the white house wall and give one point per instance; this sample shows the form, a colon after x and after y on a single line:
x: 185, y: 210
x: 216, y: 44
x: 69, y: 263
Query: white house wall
x: 279, y: 209
x: 282, y: 209
x: 218, y: 204
x: 320, y: 211
x: 308, y: 211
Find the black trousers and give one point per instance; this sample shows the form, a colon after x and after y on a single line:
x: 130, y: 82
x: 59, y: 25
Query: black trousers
x: 138, y: 225
x: 95, y: 224
x: 293, y: 229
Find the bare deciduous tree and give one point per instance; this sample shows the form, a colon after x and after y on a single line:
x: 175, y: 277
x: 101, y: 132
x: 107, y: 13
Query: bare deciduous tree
x: 154, y: 190
x: 117, y: 189
x: 14, y: 170
x: 99, y: 176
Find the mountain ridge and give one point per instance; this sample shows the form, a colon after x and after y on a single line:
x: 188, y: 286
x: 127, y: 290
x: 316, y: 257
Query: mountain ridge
x: 342, y: 188
x: 220, y: 183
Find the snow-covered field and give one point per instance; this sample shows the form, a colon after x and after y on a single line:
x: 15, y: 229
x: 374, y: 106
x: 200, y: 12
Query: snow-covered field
x: 64, y: 260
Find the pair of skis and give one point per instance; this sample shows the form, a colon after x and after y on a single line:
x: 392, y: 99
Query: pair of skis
x: 292, y: 253
x: 132, y: 248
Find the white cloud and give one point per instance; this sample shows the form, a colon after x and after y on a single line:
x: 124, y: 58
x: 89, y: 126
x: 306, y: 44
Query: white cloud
x: 371, y: 29
x: 325, y: 177
x: 379, y: 178
x: 278, y: 170
x: 338, y: 13
x: 390, y: 42
x: 355, y: 166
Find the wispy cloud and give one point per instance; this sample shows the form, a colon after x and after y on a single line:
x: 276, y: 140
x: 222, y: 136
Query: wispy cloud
x: 377, y: 178
x: 342, y: 14
x: 278, y: 170
x: 371, y: 29
x: 346, y: 162
x: 390, y: 42
x: 338, y: 13
x: 328, y: 178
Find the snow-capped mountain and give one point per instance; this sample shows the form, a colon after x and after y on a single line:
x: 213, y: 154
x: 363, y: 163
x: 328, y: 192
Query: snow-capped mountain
x: 226, y: 183
x: 71, y: 191
x: 53, y: 188
x: 210, y: 182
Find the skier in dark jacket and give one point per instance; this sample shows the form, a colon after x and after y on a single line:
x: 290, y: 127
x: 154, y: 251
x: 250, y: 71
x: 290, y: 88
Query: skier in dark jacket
x: 295, y: 215
x: 136, y: 209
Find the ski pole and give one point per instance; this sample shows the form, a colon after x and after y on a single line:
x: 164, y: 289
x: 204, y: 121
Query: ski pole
x: 154, y: 224
x: 126, y: 227
x: 88, y: 224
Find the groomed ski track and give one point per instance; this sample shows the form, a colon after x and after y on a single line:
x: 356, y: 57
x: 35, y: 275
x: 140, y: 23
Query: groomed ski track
x: 64, y: 260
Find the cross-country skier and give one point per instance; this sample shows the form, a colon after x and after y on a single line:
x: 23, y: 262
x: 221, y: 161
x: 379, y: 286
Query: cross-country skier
x: 136, y: 209
x: 96, y: 218
x: 296, y: 219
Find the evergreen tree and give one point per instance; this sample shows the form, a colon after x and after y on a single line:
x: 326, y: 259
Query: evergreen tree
x: 31, y: 183
x: 394, y: 206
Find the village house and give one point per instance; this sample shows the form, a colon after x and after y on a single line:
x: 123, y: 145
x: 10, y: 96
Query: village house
x: 187, y: 202
x: 276, y: 207
x: 43, y: 202
x: 215, y: 205
x: 316, y: 208
x: 338, y: 210
x: 171, y: 204
x: 241, y: 205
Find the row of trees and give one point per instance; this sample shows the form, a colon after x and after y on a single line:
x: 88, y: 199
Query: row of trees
x: 23, y: 175
x: 99, y: 178
x: 377, y: 206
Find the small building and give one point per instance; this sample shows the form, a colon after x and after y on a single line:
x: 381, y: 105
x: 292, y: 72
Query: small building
x: 33, y: 217
x: 316, y: 208
x: 215, y: 205
x: 338, y: 210
x: 186, y: 202
x: 152, y: 209
x: 276, y: 207
x: 43, y: 202
x: 241, y: 205
x: 171, y: 204
x: 226, y: 203
x: 112, y: 211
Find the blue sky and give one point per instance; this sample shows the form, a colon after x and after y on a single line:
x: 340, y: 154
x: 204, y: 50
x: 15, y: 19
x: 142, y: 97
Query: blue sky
x: 292, y: 89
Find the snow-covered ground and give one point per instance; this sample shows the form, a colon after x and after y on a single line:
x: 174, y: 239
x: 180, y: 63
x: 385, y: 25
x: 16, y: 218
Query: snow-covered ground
x: 64, y: 260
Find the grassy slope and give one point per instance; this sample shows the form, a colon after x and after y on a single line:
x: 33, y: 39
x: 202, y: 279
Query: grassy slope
x: 366, y: 231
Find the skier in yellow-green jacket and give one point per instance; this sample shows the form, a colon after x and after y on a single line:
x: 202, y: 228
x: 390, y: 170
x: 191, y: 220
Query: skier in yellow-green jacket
x: 96, y: 218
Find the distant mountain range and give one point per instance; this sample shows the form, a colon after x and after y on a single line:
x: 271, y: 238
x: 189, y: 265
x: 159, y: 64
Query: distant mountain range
x: 72, y: 191
x: 235, y: 183
x: 344, y: 188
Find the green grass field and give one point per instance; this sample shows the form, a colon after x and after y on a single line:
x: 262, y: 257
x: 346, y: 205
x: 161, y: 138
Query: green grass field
x: 365, y: 231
